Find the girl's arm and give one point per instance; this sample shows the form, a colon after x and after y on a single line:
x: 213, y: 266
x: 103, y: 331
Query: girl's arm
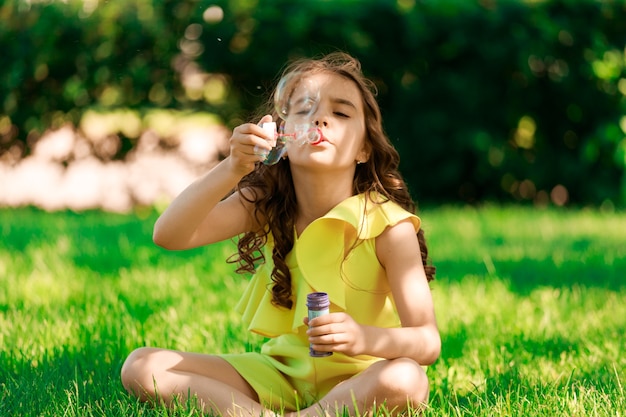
x: 200, y: 215
x: 398, y: 251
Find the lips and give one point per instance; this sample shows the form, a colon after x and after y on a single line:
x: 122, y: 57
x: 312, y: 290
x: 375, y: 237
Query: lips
x: 320, y: 138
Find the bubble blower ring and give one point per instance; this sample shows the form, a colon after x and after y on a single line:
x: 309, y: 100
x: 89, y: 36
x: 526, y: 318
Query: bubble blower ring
x: 296, y: 100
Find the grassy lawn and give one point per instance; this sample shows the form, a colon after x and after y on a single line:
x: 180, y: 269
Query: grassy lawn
x: 531, y: 305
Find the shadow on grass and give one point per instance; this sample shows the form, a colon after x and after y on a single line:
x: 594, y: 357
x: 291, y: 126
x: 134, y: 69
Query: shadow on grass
x: 516, y: 348
x: 526, y: 275
x: 103, y: 243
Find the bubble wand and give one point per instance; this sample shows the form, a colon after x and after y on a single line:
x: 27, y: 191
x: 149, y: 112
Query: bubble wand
x: 295, y: 100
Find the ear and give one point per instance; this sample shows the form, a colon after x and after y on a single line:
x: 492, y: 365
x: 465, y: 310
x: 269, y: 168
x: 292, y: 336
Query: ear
x: 363, y: 156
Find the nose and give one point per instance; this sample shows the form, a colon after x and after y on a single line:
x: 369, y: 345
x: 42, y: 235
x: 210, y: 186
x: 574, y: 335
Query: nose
x: 321, y: 115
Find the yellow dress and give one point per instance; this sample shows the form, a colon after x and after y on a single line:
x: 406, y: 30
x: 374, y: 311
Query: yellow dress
x: 335, y: 254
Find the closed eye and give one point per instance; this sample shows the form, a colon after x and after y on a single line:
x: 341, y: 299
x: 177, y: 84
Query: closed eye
x: 340, y: 114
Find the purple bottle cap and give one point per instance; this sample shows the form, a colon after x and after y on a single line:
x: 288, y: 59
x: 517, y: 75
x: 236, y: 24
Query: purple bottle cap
x: 317, y: 300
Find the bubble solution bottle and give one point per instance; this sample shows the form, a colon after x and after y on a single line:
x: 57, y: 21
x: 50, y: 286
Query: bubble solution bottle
x: 318, y: 305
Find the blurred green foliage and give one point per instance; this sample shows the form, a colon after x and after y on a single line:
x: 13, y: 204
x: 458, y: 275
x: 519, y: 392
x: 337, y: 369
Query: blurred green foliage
x: 485, y: 100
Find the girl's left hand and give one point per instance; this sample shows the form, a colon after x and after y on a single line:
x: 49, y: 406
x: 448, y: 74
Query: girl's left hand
x: 336, y: 332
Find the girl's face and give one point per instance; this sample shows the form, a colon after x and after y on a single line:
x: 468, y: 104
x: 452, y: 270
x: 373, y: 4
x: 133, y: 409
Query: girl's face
x: 340, y: 118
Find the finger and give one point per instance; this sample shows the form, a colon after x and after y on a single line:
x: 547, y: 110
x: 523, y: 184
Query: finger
x: 248, y: 153
x: 326, y: 329
x: 261, y: 152
x: 246, y: 140
x: 252, y: 153
x: 250, y: 132
x: 265, y: 119
x: 329, y: 339
x: 327, y: 319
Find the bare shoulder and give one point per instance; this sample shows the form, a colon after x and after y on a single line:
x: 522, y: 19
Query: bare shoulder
x: 397, y: 243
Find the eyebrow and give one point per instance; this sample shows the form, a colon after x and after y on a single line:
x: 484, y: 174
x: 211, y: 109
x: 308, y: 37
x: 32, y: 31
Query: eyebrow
x: 335, y: 100
x: 338, y: 100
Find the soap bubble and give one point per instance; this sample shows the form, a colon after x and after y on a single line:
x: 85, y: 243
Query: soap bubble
x: 296, y: 95
x: 296, y: 100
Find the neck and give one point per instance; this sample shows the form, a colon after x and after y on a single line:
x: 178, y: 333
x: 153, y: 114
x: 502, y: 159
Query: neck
x: 317, y: 193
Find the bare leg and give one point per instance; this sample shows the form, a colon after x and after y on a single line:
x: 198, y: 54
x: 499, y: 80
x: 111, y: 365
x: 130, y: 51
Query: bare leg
x: 166, y: 375
x: 397, y: 383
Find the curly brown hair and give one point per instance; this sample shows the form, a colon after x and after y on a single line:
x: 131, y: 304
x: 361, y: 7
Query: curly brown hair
x: 270, y: 188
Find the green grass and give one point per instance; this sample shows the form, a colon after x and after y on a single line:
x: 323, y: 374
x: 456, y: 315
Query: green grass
x: 531, y: 306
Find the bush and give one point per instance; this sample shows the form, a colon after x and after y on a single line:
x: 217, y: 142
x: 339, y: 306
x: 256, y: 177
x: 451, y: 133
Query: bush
x: 512, y: 100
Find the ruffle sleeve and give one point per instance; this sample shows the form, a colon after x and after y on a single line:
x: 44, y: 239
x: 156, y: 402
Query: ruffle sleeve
x: 316, y: 262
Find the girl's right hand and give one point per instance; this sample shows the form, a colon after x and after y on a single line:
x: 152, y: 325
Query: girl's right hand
x: 249, y: 144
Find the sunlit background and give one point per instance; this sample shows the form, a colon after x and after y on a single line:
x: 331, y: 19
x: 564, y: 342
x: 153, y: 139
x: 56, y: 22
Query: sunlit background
x: 117, y: 104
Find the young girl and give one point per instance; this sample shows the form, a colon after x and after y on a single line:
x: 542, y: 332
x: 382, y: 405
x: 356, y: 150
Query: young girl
x: 332, y: 216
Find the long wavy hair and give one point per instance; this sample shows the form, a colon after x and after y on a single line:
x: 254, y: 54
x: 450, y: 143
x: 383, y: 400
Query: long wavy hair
x: 270, y: 188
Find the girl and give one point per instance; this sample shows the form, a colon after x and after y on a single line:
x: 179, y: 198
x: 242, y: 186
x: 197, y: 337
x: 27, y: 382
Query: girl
x: 333, y: 216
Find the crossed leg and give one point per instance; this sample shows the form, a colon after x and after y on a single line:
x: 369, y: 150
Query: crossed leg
x: 167, y: 375
x: 397, y: 384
